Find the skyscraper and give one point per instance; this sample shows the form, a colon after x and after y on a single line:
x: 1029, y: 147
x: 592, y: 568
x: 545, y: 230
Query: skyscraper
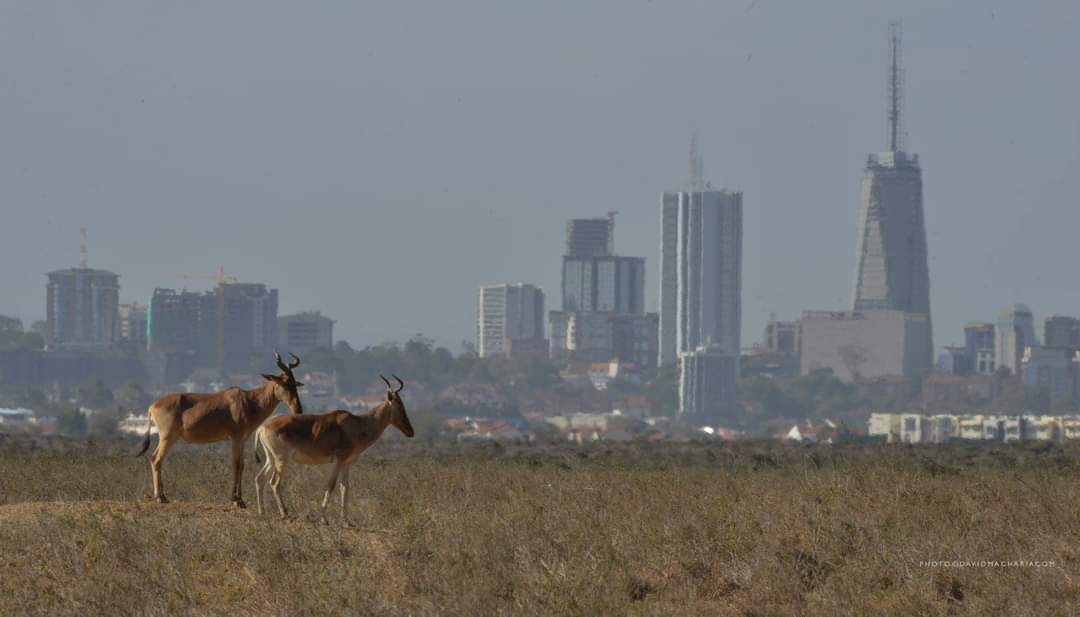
x: 82, y: 307
x: 891, y: 269
x: 701, y: 272
x: 506, y: 313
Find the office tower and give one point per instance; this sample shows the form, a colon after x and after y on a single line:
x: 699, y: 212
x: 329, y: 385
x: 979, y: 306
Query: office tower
x: 590, y: 237
x: 891, y: 269
x: 506, y: 313
x: 305, y: 331
x: 604, y: 283
x: 701, y: 270
x: 82, y: 308
x: 707, y: 379
x: 1015, y: 331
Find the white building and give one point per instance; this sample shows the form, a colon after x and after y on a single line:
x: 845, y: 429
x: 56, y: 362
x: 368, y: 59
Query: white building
x: 505, y: 312
x: 865, y: 344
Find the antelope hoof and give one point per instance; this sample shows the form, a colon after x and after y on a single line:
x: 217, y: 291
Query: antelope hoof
x: 162, y: 499
x: 239, y: 503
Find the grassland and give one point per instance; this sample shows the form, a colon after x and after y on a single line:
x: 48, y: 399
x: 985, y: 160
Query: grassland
x: 749, y: 529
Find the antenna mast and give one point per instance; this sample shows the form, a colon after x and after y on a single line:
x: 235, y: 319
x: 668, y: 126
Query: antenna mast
x: 896, y: 88
x: 82, y: 247
x: 697, y: 166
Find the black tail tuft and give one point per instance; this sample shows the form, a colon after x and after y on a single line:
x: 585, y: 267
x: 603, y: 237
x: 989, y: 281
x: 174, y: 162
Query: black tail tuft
x: 146, y: 437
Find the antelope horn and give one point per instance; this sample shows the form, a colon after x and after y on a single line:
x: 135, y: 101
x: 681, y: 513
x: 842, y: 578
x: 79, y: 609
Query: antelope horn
x: 388, y: 386
x: 281, y: 365
x: 401, y: 384
x: 296, y: 361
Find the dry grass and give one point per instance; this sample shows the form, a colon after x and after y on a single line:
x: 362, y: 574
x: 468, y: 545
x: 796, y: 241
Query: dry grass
x: 650, y: 530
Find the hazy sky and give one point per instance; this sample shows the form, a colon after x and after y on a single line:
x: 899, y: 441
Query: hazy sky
x: 380, y: 160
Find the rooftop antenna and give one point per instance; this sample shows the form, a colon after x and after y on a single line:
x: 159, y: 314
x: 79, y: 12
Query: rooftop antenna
x: 696, y: 163
x: 82, y: 247
x: 896, y: 88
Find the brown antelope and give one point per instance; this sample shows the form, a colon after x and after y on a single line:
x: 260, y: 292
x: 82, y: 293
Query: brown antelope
x: 232, y: 414
x: 337, y: 437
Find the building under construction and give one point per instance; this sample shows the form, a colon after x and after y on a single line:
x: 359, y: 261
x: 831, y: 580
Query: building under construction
x: 222, y: 328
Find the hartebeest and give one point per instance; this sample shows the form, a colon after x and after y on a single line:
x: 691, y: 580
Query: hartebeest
x: 337, y: 437
x: 232, y: 414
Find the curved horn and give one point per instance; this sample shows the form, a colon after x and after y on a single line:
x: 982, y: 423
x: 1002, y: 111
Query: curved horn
x: 281, y: 365
x: 388, y: 386
x: 401, y: 384
x: 296, y: 361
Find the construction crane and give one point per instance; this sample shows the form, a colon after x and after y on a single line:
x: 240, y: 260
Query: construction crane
x: 222, y: 279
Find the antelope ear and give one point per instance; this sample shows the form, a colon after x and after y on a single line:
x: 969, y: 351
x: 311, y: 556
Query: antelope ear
x: 273, y: 378
x: 299, y: 384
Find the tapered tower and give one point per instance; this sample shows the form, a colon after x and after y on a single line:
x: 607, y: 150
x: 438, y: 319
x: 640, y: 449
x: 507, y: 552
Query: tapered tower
x: 891, y: 270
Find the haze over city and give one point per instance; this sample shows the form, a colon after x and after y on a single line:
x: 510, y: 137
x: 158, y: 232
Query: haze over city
x: 380, y: 162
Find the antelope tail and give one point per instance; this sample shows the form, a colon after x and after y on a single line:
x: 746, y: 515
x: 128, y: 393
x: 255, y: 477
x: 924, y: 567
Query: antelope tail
x: 258, y: 460
x: 146, y: 438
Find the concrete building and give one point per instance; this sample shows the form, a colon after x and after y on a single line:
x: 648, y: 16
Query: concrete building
x: 223, y: 328
x: 865, y: 344
x: 707, y: 379
x: 1062, y: 332
x: 701, y: 271
x: 133, y: 318
x: 82, y: 308
x: 304, y: 331
x: 593, y: 237
x: 506, y: 312
x: 1015, y: 331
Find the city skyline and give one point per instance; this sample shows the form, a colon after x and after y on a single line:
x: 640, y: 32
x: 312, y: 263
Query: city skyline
x: 82, y: 152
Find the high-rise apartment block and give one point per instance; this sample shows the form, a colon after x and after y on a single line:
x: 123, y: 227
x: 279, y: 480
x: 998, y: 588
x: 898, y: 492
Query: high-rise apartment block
x: 82, y: 308
x: 506, y: 313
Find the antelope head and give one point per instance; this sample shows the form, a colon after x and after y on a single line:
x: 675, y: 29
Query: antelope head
x: 398, y: 417
x: 285, y: 384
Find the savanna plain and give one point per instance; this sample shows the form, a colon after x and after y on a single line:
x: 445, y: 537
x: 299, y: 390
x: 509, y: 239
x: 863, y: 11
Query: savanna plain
x: 750, y: 529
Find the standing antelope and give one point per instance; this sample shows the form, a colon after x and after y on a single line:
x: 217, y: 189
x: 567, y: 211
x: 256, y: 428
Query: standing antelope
x: 231, y: 414
x: 337, y: 437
